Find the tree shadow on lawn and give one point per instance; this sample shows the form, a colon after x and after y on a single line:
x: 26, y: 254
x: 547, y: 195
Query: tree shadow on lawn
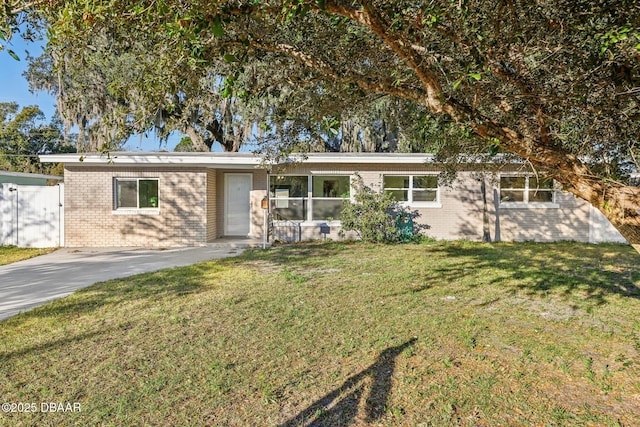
x: 570, y: 269
x: 328, y: 410
x: 172, y: 282
x: 300, y: 252
x: 7, y: 356
x: 591, y: 272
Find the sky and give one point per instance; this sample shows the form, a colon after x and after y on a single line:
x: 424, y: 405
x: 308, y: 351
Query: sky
x: 14, y: 87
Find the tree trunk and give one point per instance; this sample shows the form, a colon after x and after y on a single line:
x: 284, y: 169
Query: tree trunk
x: 631, y: 233
x: 196, y: 139
x: 619, y: 203
x: 622, y: 208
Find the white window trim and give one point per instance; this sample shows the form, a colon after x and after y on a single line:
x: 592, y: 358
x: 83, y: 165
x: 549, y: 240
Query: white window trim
x: 137, y: 210
x: 410, y: 203
x: 525, y: 204
x: 309, y: 221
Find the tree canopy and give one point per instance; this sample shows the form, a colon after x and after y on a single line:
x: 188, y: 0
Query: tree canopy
x: 555, y: 82
x: 99, y: 100
x: 24, y: 135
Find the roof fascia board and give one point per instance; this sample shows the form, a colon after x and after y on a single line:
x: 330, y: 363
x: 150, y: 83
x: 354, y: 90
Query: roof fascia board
x: 231, y: 160
x: 31, y: 175
x: 154, y: 159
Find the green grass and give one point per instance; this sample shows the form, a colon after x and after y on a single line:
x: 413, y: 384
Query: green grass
x: 343, y: 334
x: 10, y: 254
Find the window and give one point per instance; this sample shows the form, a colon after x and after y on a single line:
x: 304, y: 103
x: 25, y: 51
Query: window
x: 413, y: 189
x: 136, y: 193
x: 328, y: 196
x: 289, y: 197
x: 308, y: 198
x: 526, y: 189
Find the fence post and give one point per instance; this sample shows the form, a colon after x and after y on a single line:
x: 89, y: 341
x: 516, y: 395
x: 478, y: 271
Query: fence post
x: 14, y: 190
x: 60, y: 215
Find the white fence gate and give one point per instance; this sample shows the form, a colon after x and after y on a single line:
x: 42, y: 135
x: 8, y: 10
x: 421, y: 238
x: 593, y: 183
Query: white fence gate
x: 32, y: 216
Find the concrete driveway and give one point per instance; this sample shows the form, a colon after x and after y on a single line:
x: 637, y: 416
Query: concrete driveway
x: 33, y: 282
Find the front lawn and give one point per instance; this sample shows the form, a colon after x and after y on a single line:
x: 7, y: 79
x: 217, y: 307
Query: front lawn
x: 342, y: 334
x: 10, y: 254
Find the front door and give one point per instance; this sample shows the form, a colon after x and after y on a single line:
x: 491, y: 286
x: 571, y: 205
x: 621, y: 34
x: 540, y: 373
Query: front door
x: 237, y: 206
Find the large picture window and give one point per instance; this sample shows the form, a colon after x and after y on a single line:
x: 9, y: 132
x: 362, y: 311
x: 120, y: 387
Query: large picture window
x: 289, y: 197
x: 413, y: 189
x: 526, y: 189
x: 328, y: 196
x: 136, y: 193
x: 308, y: 198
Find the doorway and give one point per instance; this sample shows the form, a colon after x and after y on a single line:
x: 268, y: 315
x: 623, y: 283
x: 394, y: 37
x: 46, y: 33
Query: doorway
x: 237, y: 204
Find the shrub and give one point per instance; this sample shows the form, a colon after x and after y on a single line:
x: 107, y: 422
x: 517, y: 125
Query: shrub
x: 371, y: 214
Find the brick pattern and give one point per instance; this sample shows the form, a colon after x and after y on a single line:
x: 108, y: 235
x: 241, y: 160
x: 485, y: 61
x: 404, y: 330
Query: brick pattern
x: 260, y: 188
x: 91, y: 221
x: 570, y: 221
x: 461, y: 215
x: 212, y: 226
x: 191, y: 207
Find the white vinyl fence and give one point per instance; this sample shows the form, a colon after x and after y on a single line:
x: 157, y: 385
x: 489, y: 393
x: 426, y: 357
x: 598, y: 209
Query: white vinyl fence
x: 32, y: 216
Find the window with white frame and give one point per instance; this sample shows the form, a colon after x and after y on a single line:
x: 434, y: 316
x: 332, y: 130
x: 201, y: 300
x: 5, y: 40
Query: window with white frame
x: 308, y: 198
x: 526, y: 189
x: 136, y: 193
x: 289, y: 197
x: 413, y: 189
x: 328, y: 194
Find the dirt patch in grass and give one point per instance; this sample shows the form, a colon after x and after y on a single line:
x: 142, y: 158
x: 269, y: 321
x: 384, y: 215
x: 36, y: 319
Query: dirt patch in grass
x: 343, y: 334
x: 264, y: 266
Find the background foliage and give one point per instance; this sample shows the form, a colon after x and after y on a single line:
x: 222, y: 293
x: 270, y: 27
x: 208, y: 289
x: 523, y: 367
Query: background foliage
x: 24, y: 135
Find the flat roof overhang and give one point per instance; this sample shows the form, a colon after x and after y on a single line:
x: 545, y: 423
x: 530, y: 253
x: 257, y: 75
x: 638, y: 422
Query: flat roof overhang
x: 155, y: 159
x: 31, y: 175
x: 229, y: 160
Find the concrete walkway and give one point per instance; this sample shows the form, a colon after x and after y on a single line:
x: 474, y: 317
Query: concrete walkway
x: 33, y: 282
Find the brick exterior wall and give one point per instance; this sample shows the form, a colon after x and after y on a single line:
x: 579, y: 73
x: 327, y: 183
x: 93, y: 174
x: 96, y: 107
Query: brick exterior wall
x: 461, y: 214
x: 191, y: 207
x: 212, y: 225
x: 90, y: 219
x: 260, y: 188
x: 568, y: 221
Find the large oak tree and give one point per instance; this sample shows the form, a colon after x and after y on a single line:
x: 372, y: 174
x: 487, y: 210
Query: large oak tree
x: 555, y: 82
x: 99, y: 98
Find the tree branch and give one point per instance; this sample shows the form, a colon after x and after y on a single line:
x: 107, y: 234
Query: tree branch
x: 371, y: 19
x: 364, y: 82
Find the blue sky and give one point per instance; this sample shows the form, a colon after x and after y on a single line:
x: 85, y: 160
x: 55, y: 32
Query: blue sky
x: 14, y: 87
